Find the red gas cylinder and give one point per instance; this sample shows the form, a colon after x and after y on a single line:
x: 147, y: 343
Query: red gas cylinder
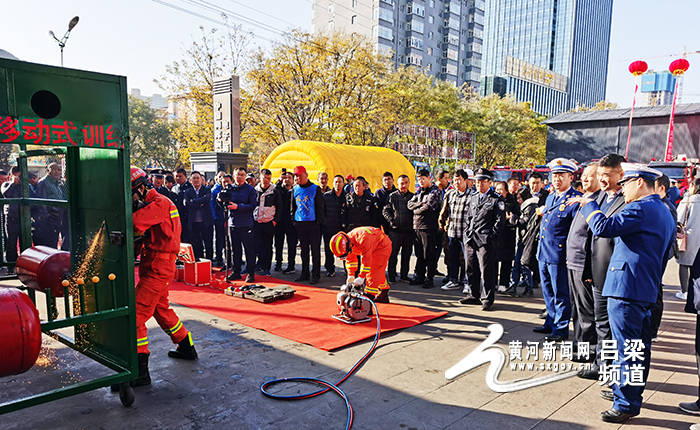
x: 20, y: 331
x: 43, y: 268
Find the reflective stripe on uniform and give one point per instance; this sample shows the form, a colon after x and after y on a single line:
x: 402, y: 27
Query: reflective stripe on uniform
x: 174, y: 213
x: 366, y: 269
x: 593, y: 213
x: 142, y: 341
x: 175, y: 328
x: 372, y: 290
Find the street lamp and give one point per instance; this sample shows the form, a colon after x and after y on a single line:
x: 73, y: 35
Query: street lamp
x: 62, y: 41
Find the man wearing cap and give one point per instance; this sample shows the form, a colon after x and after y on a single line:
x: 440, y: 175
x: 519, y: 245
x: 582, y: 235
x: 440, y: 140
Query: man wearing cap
x: 425, y: 205
x: 485, y: 218
x: 307, y: 211
x: 551, y: 251
x: 643, y: 232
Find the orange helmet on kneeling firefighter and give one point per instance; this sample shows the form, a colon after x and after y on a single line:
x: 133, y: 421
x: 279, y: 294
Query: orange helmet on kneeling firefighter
x: 340, y: 245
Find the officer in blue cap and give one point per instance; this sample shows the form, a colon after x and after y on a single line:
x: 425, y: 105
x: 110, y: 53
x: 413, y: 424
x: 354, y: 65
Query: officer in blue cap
x: 551, y: 251
x: 644, y: 232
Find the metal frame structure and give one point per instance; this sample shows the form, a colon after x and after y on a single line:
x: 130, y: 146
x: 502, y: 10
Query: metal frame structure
x: 101, y: 313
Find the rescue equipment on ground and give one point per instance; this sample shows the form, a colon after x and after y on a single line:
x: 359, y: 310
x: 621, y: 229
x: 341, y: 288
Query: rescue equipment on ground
x: 354, y: 307
x: 261, y: 293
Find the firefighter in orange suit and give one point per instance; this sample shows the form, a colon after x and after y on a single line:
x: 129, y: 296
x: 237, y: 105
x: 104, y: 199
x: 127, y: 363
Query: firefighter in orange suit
x: 375, y: 248
x: 157, y: 220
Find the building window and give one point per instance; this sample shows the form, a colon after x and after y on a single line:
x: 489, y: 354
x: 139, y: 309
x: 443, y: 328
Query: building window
x: 416, y: 9
x: 430, y: 35
x: 386, y: 33
x: 331, y: 26
x: 416, y: 26
x: 430, y: 51
x: 430, y: 66
x: 431, y: 19
x: 331, y: 9
x: 353, y: 19
x: 414, y: 42
x: 354, y: 3
x: 386, y: 15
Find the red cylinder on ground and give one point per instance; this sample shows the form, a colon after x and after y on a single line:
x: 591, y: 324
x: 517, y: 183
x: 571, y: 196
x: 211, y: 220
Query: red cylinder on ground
x: 20, y: 331
x: 43, y: 268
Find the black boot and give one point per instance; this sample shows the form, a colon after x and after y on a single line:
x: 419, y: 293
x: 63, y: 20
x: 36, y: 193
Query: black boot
x: 144, y: 377
x: 382, y: 297
x: 185, y: 349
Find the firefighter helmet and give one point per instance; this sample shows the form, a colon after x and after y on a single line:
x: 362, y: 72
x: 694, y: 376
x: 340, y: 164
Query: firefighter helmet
x: 138, y: 177
x: 340, y: 244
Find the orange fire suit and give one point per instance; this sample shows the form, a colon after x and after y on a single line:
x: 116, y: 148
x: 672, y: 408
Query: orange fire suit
x: 375, y: 248
x: 157, y: 268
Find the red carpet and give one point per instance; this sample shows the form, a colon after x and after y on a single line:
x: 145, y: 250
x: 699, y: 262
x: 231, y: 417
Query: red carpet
x: 305, y: 318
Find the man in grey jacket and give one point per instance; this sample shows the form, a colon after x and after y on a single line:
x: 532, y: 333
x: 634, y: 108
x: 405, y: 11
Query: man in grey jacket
x: 266, y: 216
x: 578, y: 258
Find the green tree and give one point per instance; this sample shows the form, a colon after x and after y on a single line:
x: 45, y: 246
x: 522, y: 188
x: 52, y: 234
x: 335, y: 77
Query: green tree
x: 151, y: 140
x: 507, y: 132
x: 189, y: 83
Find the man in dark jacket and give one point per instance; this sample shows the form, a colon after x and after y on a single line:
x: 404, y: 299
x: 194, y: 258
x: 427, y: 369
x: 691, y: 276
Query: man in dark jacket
x: 266, y: 216
x: 578, y: 259
x: 611, y: 201
x: 197, y: 201
x: 285, y: 230
x: 425, y: 205
x: 360, y: 207
x: 308, y: 212
x: 182, y: 185
x: 219, y: 220
x: 158, y: 179
x: 505, y: 244
x: 382, y: 198
x: 400, y: 221
x: 485, y: 219
x: 240, y: 222
x: 12, y: 189
x: 334, y: 220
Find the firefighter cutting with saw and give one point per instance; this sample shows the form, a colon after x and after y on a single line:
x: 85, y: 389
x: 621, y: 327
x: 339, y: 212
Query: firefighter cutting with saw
x: 374, y: 248
x: 157, y: 222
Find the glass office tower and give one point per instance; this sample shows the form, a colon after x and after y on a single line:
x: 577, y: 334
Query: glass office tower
x: 551, y: 53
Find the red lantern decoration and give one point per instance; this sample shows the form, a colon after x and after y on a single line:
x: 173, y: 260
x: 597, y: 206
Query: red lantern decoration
x: 679, y: 66
x: 636, y: 68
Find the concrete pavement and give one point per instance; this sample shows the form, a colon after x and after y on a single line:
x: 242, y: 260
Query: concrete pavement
x: 401, y: 387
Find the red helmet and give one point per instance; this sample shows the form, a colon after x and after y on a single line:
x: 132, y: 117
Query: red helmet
x: 138, y: 177
x: 340, y: 244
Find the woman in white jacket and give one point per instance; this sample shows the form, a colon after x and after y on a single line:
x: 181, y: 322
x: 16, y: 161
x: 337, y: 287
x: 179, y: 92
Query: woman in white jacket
x: 689, y: 217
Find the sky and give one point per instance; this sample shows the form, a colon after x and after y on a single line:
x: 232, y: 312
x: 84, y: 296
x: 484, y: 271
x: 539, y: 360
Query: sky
x: 138, y: 38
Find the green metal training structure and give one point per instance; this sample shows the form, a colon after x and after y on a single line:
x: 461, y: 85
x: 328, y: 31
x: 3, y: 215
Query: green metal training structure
x: 82, y: 116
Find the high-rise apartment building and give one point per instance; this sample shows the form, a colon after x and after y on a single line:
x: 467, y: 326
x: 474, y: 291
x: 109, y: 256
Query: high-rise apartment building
x: 443, y: 37
x: 551, y: 53
x: 657, y: 88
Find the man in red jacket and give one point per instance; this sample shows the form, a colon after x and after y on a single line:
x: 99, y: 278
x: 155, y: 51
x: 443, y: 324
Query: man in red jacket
x: 374, y: 247
x: 157, y: 221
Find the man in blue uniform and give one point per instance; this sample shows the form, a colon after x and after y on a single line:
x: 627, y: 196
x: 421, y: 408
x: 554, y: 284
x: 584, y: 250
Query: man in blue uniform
x: 551, y: 251
x: 644, y: 232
